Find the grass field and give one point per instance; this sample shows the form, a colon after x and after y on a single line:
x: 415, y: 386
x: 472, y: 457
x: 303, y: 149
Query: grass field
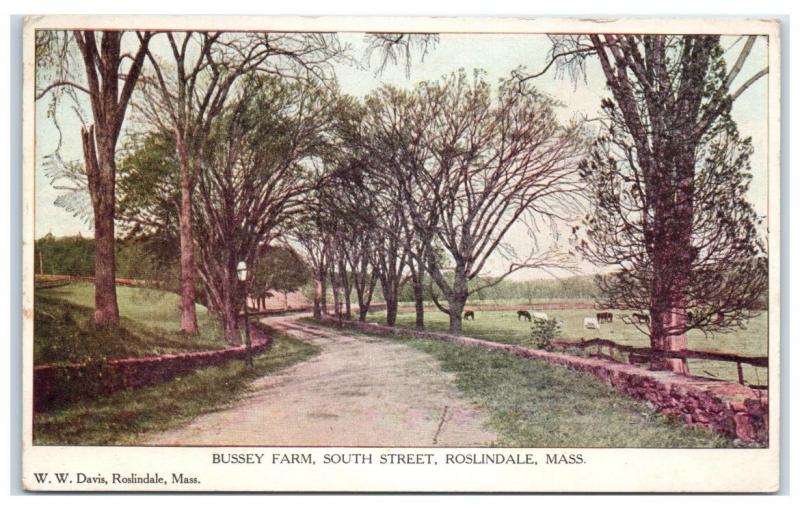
x: 64, y: 329
x: 536, y: 405
x: 504, y: 327
x: 121, y: 417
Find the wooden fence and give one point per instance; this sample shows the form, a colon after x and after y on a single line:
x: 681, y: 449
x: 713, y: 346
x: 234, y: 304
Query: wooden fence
x: 643, y: 355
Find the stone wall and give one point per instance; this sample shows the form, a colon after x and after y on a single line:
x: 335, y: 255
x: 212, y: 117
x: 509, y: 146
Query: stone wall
x: 61, y: 383
x: 728, y: 408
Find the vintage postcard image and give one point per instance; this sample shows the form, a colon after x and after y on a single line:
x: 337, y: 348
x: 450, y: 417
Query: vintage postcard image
x: 445, y: 255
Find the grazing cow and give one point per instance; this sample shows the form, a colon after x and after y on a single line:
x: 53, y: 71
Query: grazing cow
x: 642, y: 318
x: 605, y: 317
x: 523, y: 314
x: 539, y: 316
x: 469, y: 315
x: 591, y: 323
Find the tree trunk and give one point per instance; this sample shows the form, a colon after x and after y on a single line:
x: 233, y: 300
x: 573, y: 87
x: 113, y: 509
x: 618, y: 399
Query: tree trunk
x: 391, y: 310
x: 346, y: 285
x: 188, y: 315
x: 337, y: 306
x: 105, y: 293
x: 457, y: 299
x: 666, y: 343
x: 317, y: 298
x: 109, y: 102
x: 672, y: 262
x: 230, y: 327
x: 389, y: 288
x: 456, y: 309
x: 323, y: 298
x: 419, y: 301
x: 101, y: 170
x: 364, y: 292
x: 230, y: 308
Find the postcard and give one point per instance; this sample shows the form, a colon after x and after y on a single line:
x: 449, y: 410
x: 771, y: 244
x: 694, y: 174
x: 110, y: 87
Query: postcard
x: 335, y: 254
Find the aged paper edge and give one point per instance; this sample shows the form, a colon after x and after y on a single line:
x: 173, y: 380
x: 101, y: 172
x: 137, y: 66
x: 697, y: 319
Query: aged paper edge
x: 609, y: 470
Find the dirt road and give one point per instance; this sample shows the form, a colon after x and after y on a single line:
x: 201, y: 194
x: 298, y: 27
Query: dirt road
x: 359, y: 391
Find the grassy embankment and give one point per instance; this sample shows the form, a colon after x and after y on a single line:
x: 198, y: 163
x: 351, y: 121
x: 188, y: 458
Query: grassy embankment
x: 505, y: 327
x: 536, y: 405
x: 64, y: 331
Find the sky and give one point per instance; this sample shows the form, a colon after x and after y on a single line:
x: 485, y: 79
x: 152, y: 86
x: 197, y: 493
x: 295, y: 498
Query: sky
x: 497, y: 54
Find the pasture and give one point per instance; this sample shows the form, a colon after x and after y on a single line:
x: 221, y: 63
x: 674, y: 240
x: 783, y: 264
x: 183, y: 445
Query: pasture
x: 503, y: 326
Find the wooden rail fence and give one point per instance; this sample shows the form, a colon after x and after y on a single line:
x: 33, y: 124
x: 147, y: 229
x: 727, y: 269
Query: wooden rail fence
x: 641, y: 355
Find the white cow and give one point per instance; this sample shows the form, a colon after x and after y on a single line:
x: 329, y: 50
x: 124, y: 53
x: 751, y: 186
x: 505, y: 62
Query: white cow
x: 591, y: 323
x: 539, y: 316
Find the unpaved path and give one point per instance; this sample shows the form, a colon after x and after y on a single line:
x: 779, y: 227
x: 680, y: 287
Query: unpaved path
x: 359, y: 391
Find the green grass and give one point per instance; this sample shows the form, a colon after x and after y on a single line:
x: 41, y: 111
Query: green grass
x: 522, y: 303
x: 536, y: 405
x: 504, y: 327
x: 120, y: 418
x: 64, y: 329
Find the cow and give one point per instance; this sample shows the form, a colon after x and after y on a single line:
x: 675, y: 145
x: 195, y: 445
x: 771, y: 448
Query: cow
x: 591, y: 323
x: 539, y: 316
x: 642, y: 318
x: 605, y: 317
x: 523, y: 314
x: 469, y: 315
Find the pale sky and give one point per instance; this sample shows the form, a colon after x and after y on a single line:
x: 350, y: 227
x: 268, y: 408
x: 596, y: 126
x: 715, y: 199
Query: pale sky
x: 497, y: 54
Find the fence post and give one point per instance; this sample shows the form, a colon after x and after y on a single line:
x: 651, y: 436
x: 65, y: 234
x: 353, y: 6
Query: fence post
x: 739, y: 370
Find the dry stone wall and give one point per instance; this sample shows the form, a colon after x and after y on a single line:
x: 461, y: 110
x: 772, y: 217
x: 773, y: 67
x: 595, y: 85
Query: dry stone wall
x: 57, y: 384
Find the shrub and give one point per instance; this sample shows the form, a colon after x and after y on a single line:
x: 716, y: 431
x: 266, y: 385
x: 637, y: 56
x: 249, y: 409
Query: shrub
x: 543, y: 332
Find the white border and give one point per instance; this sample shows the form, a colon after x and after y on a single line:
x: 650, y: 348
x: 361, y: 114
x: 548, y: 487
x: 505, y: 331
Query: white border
x: 609, y: 469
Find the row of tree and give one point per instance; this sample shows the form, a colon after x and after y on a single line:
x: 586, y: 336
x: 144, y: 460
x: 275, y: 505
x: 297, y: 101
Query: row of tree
x: 203, y: 99
x: 241, y: 141
x: 427, y: 183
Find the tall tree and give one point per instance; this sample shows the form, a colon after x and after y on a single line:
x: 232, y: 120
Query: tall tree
x: 393, y: 137
x: 493, y: 162
x: 311, y: 230
x: 260, y: 165
x: 109, y: 85
x: 673, y: 141
x: 189, y: 90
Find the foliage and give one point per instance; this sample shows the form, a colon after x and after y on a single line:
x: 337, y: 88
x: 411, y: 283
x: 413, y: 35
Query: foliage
x: 727, y: 269
x: 68, y: 255
x: 455, y: 164
x: 278, y: 268
x: 667, y: 178
x: 149, y: 193
x: 261, y: 161
x: 74, y: 255
x: 543, y: 332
